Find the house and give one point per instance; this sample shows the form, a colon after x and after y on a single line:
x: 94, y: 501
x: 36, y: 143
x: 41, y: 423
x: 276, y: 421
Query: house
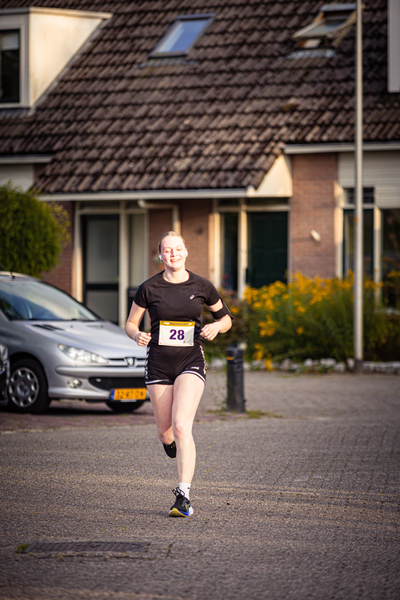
x: 229, y: 121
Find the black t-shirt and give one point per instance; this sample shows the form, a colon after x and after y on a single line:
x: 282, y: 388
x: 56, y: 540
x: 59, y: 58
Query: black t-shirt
x: 176, y: 301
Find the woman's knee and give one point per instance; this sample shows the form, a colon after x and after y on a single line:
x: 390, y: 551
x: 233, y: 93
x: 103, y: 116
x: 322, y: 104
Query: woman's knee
x: 182, y: 429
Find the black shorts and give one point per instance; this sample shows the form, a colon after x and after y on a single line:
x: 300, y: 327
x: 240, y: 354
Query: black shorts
x: 165, y: 363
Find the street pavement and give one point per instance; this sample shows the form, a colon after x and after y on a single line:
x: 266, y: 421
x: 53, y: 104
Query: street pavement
x: 298, y: 499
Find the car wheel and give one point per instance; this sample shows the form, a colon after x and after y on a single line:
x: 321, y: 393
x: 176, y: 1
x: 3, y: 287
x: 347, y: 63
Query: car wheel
x: 121, y: 407
x: 27, y: 390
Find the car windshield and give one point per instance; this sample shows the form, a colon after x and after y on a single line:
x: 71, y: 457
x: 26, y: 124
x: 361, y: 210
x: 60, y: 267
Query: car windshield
x: 34, y: 300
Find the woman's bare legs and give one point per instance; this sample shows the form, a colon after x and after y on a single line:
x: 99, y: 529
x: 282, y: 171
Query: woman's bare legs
x: 161, y: 397
x: 174, y: 409
x: 188, y: 390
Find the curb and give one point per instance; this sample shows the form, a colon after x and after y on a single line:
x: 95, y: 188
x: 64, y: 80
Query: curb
x: 324, y: 365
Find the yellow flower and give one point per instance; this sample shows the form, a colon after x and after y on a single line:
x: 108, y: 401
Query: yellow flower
x: 268, y: 364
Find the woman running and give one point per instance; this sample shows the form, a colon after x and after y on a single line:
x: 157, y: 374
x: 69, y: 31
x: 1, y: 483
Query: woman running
x: 175, y: 372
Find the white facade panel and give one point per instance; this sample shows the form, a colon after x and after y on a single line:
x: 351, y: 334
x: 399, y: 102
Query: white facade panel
x: 381, y: 170
x: 54, y: 38
x: 277, y: 183
x: 393, y: 46
x: 19, y: 175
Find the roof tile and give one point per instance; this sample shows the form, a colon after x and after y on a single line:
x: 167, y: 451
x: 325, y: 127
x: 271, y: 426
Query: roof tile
x: 117, y: 120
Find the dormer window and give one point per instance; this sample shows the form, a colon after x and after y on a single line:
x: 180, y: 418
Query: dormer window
x: 36, y: 44
x: 332, y: 24
x: 182, y: 36
x: 9, y: 66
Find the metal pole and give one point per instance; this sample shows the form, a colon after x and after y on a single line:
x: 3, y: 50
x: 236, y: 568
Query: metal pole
x: 358, y: 208
x: 235, y: 382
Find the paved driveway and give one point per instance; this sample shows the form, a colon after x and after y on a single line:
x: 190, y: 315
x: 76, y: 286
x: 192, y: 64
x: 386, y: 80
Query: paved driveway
x: 302, y: 502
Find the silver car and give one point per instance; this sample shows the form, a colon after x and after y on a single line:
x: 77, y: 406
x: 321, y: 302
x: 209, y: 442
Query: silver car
x: 4, y: 374
x: 59, y: 349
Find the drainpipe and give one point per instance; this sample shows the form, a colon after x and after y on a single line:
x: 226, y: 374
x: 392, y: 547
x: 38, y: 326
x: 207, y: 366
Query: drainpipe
x: 176, y: 223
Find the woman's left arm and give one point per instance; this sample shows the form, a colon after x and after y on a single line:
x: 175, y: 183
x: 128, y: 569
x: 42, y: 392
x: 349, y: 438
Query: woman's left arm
x: 211, y: 330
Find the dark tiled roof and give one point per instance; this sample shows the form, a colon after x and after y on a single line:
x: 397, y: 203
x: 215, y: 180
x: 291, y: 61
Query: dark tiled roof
x: 117, y: 121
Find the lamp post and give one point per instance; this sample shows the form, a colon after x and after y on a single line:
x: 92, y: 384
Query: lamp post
x: 358, y: 207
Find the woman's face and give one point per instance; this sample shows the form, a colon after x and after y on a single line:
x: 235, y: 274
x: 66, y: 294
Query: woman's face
x: 173, y: 252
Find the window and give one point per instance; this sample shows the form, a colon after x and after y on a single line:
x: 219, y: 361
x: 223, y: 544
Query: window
x: 368, y: 195
x: 332, y: 24
x: 9, y: 66
x: 229, y: 250
x: 348, y: 231
x: 183, y: 34
x: 267, y: 247
x: 391, y: 255
x: 348, y: 241
x: 101, y: 265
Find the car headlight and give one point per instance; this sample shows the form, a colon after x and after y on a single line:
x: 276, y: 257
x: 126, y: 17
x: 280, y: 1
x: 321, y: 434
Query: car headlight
x: 82, y: 355
x: 3, y: 353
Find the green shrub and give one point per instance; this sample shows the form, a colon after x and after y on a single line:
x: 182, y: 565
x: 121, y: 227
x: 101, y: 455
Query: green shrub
x: 309, y: 318
x: 32, y: 232
x: 314, y: 318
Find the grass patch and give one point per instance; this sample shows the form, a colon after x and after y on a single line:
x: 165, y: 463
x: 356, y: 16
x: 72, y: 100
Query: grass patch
x: 22, y: 548
x: 251, y: 414
x: 258, y: 414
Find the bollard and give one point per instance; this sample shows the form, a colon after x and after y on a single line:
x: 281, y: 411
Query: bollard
x: 235, y: 400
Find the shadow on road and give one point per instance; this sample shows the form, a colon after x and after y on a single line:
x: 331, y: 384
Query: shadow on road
x: 67, y: 413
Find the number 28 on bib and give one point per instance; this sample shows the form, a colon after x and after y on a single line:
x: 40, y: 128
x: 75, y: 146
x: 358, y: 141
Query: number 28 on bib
x: 176, y: 333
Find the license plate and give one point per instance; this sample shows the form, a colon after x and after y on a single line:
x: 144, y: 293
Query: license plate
x: 123, y: 395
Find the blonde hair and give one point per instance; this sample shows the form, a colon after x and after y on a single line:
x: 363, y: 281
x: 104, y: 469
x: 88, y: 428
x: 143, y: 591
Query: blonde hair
x: 171, y: 233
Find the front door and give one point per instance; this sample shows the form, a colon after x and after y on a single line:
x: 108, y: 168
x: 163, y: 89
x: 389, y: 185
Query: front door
x: 101, y: 235
x: 268, y: 248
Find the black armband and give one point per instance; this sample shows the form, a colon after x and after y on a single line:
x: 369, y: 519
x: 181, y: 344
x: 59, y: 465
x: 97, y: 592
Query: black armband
x: 218, y: 314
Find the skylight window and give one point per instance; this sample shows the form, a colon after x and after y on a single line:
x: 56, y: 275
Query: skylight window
x: 182, y: 36
x: 333, y: 22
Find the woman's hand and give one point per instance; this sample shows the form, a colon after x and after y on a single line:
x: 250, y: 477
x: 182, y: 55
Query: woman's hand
x: 142, y: 338
x: 211, y: 330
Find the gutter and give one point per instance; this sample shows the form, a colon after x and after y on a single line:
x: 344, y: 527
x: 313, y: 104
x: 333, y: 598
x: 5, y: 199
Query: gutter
x: 147, y: 195
x: 25, y: 159
x: 340, y: 147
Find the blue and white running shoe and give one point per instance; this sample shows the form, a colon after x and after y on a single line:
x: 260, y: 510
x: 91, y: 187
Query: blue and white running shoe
x: 182, y: 507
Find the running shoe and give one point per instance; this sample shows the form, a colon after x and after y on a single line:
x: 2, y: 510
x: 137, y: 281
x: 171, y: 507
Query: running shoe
x: 182, y: 507
x: 170, y: 449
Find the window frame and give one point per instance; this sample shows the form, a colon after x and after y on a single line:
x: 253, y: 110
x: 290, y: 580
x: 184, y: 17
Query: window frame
x: 19, y: 22
x: 367, y: 209
x: 369, y: 203
x: 242, y: 207
x: 157, y: 53
x: 17, y: 30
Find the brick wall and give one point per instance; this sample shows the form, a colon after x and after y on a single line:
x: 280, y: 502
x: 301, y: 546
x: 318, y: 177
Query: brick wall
x: 194, y: 219
x: 312, y: 207
x: 61, y: 275
x: 160, y: 221
x: 194, y: 223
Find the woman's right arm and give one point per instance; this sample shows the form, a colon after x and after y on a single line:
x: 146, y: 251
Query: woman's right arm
x: 132, y: 326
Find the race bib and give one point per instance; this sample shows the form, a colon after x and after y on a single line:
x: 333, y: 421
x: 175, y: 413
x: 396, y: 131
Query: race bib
x: 176, y: 333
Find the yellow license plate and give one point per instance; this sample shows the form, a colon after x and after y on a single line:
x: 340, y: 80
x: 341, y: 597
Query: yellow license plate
x: 128, y: 394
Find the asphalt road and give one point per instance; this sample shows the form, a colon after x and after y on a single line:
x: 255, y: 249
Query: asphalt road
x: 300, y: 503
